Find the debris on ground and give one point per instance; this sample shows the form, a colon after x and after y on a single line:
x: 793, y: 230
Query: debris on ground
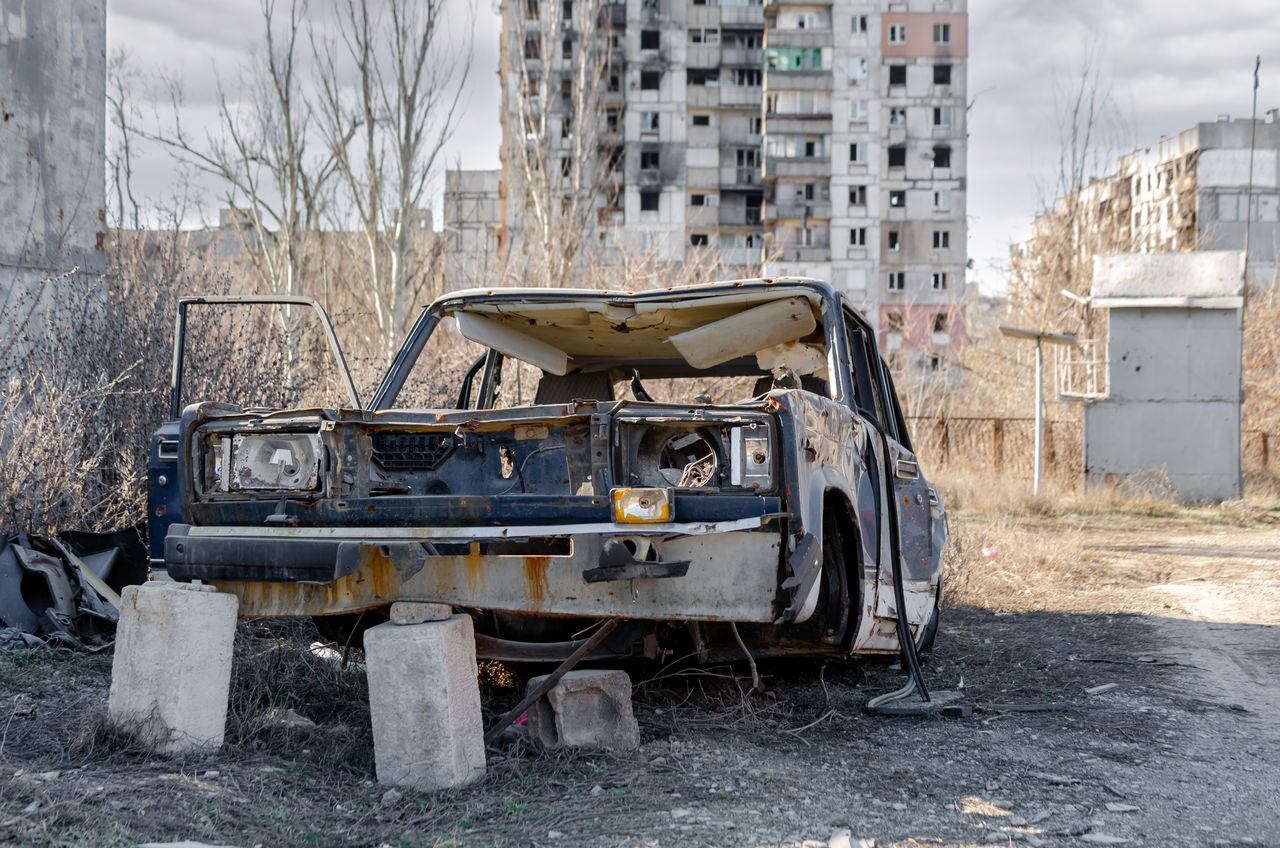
x: 65, y: 590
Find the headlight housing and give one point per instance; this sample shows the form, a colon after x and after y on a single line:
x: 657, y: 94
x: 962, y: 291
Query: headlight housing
x: 257, y: 462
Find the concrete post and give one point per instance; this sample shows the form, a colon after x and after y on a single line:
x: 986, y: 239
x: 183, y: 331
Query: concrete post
x: 172, y: 668
x: 424, y: 700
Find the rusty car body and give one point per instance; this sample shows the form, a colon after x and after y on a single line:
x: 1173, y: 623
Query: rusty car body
x: 707, y: 462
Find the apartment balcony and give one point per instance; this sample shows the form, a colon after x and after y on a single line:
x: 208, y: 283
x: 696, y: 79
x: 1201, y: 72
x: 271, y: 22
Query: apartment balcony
x: 702, y: 16
x: 796, y: 166
x: 739, y: 217
x: 613, y: 15
x: 742, y: 177
x: 702, y: 96
x: 702, y: 56
x: 740, y: 255
x: 708, y: 178
x: 798, y: 38
x: 702, y: 136
x: 741, y: 95
x: 702, y: 217
x: 778, y: 122
x: 814, y: 211
x: 793, y: 253
x: 798, y: 80
x: 771, y: 6
x: 742, y: 16
x: 752, y: 57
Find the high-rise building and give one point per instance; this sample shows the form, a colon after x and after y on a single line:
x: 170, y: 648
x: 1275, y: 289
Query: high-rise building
x: 822, y: 139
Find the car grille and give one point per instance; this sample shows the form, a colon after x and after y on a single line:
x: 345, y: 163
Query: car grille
x: 412, y: 450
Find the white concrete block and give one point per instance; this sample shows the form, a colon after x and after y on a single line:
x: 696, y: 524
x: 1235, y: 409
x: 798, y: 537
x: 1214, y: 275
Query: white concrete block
x: 586, y: 709
x: 424, y: 697
x: 172, y: 668
x: 415, y: 612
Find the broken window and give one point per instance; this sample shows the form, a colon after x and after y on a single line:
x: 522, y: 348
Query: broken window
x: 615, y: 82
x: 532, y: 47
x: 702, y: 120
x: 942, y: 75
x: 897, y: 116
x: 611, y: 120
x: 531, y: 9
x: 744, y: 76
x: 942, y: 156
x: 897, y: 156
x: 894, y: 240
x: 702, y: 76
x: 942, y: 201
x: 897, y: 199
x: 648, y: 122
x: 648, y: 160
x: 697, y: 200
x: 859, y: 67
x: 649, y: 39
x: 649, y: 201
x: 566, y: 10
x: 698, y: 240
x: 940, y: 322
x: 858, y: 195
x: 897, y: 75
x: 650, y: 80
x: 566, y: 166
x: 566, y: 89
x: 942, y: 116
x: 857, y: 153
x: 859, y: 26
x: 897, y: 280
x: 566, y: 48
x: 895, y: 322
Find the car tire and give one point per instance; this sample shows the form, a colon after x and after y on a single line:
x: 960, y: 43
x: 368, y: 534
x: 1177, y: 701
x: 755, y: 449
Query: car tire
x: 930, y: 633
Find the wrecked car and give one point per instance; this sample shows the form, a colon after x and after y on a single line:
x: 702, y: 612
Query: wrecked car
x: 722, y: 468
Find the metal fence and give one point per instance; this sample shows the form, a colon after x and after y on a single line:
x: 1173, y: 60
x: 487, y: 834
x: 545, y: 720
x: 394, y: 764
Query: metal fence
x: 998, y: 444
x: 1008, y: 445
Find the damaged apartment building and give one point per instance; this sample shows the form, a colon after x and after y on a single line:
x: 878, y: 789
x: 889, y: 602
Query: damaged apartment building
x: 1187, y: 192
x: 821, y: 139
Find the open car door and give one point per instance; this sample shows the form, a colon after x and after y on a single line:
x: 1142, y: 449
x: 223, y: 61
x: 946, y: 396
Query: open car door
x: 259, y: 351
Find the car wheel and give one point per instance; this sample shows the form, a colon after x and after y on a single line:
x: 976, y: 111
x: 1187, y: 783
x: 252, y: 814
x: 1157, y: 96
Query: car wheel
x: 836, y: 601
x: 925, y: 642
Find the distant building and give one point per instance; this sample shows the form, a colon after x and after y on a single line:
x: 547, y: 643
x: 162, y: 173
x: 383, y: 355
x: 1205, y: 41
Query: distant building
x: 819, y: 138
x: 1185, y: 193
x: 52, y: 140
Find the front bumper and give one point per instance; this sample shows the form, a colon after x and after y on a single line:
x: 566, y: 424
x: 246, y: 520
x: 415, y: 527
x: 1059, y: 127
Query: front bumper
x: 733, y: 569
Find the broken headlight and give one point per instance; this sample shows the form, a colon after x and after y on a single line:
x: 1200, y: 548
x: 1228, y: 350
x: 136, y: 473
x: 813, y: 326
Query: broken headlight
x: 263, y: 462
x: 688, y: 455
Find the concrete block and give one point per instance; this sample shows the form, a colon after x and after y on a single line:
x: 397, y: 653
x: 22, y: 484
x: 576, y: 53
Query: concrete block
x: 172, y: 668
x: 586, y: 709
x: 415, y: 612
x: 424, y: 697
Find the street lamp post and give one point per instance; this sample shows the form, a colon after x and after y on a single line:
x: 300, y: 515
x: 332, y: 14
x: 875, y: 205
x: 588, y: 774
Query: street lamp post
x: 1041, y: 338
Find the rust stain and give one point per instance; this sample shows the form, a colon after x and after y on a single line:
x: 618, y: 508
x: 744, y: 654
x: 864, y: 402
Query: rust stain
x: 535, y: 578
x: 472, y: 564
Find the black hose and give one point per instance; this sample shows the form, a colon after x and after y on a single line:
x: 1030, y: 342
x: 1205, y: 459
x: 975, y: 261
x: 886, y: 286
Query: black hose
x: 906, y: 644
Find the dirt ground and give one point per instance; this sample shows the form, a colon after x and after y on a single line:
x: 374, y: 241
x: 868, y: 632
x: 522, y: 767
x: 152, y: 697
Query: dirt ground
x: 1181, y: 614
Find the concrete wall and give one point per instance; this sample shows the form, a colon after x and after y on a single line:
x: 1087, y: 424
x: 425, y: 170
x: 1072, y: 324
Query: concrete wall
x: 52, y: 137
x: 1174, y: 406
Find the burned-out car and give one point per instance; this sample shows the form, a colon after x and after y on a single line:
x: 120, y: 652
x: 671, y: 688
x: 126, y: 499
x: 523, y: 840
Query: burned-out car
x: 720, y: 467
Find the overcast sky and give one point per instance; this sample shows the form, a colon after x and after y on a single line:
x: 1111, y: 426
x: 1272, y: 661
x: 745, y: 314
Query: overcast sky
x: 1164, y: 66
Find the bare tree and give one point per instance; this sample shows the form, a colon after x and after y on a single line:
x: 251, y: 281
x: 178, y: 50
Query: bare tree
x: 386, y: 131
x: 264, y: 153
x: 562, y: 135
